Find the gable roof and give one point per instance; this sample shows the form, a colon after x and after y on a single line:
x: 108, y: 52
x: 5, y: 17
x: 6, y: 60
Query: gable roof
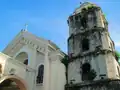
x: 23, y: 34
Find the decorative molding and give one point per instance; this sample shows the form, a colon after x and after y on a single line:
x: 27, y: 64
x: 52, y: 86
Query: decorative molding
x: 35, y: 46
x: 24, y: 41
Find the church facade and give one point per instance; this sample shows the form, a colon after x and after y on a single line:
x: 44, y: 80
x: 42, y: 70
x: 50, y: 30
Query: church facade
x: 31, y: 63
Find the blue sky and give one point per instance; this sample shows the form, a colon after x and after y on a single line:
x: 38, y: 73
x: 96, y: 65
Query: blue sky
x: 47, y: 19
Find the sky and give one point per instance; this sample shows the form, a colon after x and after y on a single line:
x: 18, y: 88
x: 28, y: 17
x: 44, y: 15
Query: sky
x: 48, y: 19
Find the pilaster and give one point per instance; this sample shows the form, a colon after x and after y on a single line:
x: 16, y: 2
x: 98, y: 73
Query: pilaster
x: 46, y: 82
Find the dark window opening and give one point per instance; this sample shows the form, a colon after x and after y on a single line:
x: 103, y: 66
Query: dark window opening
x: 40, y: 74
x: 84, y: 18
x: 67, y: 21
x: 76, y: 18
x: 84, y: 21
x: 85, y: 71
x: 86, y: 68
x: 71, y: 18
x: 85, y: 44
x: 26, y: 62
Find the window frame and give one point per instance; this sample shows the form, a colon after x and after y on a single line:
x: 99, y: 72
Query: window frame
x: 38, y: 70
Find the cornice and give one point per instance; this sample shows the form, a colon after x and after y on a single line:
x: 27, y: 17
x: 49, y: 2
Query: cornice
x: 87, y: 32
x: 26, y: 38
x: 30, y: 43
x: 93, y: 53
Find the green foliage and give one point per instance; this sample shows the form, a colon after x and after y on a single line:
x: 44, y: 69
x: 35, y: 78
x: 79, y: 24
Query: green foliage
x: 90, y: 6
x: 104, y: 15
x: 65, y: 61
x: 92, y: 74
x: 117, y: 56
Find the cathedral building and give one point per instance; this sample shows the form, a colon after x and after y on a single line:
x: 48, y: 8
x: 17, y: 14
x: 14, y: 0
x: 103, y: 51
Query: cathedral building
x: 31, y: 63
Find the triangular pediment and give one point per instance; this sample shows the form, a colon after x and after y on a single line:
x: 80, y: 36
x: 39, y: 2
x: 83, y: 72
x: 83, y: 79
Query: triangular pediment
x: 24, y: 38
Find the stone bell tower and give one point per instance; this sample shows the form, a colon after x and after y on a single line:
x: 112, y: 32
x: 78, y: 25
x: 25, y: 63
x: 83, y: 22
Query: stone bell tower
x: 91, y: 50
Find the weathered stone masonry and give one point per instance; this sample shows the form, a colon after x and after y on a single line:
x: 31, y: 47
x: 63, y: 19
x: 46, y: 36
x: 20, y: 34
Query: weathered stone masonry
x: 91, y: 51
x: 96, y: 85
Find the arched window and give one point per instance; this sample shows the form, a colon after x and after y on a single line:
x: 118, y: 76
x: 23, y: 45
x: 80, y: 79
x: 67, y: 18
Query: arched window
x: 26, y: 62
x: 40, y: 74
x: 85, y: 70
x: 22, y: 57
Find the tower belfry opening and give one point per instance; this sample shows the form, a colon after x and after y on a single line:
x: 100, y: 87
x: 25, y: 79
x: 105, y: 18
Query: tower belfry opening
x: 83, y: 18
x: 85, y: 70
x: 85, y: 44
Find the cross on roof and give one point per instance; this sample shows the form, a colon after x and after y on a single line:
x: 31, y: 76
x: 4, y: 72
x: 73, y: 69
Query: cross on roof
x: 26, y: 25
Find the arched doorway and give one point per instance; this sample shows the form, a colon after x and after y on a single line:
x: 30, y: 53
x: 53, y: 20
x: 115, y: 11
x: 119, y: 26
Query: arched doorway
x: 22, y: 57
x: 12, y: 83
x: 85, y: 70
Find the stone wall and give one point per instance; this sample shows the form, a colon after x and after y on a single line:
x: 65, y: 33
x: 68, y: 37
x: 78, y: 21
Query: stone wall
x: 107, y: 84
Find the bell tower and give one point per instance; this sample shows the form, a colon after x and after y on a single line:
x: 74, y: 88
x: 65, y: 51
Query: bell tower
x: 90, y: 48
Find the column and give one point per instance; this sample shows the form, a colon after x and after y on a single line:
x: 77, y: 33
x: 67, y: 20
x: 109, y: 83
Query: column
x: 46, y: 71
